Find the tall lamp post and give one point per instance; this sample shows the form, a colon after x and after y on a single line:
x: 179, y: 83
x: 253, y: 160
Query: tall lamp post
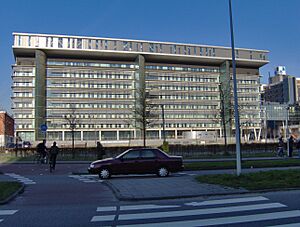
x: 163, y: 122
x: 236, y: 111
x: 287, y: 130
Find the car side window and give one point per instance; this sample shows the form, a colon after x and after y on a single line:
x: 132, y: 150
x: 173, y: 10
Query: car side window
x: 132, y: 155
x: 148, y: 154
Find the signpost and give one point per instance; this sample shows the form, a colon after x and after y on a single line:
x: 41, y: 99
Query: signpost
x: 44, y: 128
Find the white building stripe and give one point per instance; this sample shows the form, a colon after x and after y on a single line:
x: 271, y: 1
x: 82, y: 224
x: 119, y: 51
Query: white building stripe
x: 7, y: 212
x: 149, y: 206
x: 228, y: 201
x: 103, y: 218
x: 217, y: 210
x: 287, y: 225
x: 225, y: 220
x: 113, y: 208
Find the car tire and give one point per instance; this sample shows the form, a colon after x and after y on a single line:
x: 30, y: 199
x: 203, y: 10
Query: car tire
x: 163, y: 172
x: 104, y: 173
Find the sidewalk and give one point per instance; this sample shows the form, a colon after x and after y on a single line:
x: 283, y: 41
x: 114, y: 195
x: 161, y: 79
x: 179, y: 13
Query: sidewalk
x: 174, y: 186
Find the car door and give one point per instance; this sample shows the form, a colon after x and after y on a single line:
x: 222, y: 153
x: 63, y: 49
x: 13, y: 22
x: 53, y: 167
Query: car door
x: 130, y: 162
x: 149, y: 162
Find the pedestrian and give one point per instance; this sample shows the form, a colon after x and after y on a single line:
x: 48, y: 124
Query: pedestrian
x: 291, y: 144
x: 41, y: 149
x: 280, y: 147
x: 298, y: 146
x: 54, y: 150
x: 100, y: 150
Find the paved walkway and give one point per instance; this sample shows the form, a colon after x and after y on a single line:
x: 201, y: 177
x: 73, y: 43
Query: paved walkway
x: 175, y: 186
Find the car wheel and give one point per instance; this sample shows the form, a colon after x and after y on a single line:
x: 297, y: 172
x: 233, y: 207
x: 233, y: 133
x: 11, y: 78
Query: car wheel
x: 163, y: 172
x: 104, y: 173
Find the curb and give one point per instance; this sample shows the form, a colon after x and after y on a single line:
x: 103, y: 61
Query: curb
x: 12, y: 196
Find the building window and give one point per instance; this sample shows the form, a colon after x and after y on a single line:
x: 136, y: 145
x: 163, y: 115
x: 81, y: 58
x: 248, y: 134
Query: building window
x: 125, y: 45
x: 201, y: 51
x: 105, y: 44
x: 29, y: 40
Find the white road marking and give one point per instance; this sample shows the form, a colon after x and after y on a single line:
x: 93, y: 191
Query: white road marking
x: 22, y: 179
x: 225, y: 220
x: 150, y: 206
x: 7, y: 212
x: 227, y: 201
x: 86, y: 178
x: 287, y: 225
x: 113, y: 208
x: 199, y: 211
x: 103, y: 218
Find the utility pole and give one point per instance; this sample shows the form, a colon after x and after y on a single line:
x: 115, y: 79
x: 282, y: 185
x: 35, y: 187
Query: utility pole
x: 236, y: 111
x: 163, y: 119
x: 287, y: 131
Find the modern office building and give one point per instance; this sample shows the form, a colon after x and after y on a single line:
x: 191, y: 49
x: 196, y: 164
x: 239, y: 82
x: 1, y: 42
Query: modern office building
x: 97, y: 85
x: 282, y: 88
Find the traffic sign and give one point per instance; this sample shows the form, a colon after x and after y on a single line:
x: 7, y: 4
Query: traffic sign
x: 43, y: 128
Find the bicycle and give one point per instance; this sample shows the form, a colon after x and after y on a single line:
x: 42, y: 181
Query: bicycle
x: 41, y: 159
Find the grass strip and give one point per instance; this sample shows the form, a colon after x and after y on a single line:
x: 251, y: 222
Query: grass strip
x: 8, y: 188
x: 274, y: 179
x: 245, y: 164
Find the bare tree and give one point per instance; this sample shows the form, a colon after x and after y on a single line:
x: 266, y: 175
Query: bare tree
x: 145, y: 113
x: 72, y: 123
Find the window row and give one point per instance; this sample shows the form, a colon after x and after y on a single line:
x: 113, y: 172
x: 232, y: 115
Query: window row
x: 186, y: 88
x: 91, y: 64
x: 88, y: 105
x: 185, y: 69
x: 88, y: 95
x: 190, y: 107
x: 87, y: 85
x: 22, y: 94
x: 23, y: 73
x: 188, y: 97
x: 91, y: 75
x: 196, y: 78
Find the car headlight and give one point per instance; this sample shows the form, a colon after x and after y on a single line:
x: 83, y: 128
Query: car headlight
x: 92, y: 165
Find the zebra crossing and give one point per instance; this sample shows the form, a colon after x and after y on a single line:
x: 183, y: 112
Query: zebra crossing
x: 6, y: 212
x: 244, y: 210
x: 20, y: 178
x: 87, y: 178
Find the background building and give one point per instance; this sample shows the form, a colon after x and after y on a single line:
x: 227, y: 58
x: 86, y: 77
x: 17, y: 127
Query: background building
x: 6, y: 129
x: 97, y: 86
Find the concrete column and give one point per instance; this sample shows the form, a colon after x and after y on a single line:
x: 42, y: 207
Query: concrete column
x: 40, y: 92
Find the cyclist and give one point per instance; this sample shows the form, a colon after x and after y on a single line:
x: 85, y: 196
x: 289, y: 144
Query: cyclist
x: 54, y: 150
x: 280, y: 147
x: 41, y: 149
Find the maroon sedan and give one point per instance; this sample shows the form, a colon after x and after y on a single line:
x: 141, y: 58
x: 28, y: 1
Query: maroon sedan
x: 137, y: 161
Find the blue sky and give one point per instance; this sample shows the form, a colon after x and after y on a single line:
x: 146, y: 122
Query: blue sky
x: 260, y: 24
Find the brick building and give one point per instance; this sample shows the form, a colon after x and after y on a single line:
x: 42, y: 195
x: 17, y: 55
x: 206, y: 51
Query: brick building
x: 6, y: 129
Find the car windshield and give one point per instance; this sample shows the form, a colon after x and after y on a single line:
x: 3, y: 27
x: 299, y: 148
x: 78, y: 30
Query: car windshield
x: 120, y: 155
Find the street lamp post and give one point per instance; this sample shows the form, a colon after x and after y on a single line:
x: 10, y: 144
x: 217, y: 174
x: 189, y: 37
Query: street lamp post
x: 287, y: 130
x: 236, y: 111
x: 163, y: 122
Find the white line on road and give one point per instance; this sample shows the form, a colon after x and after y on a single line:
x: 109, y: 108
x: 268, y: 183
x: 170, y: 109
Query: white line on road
x: 199, y: 211
x: 113, y: 208
x: 227, y: 201
x: 150, y: 206
x: 7, y: 212
x: 287, y: 225
x: 225, y: 220
x: 103, y: 218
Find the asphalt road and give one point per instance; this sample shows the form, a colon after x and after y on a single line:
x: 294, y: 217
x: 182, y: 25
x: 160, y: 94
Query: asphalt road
x: 60, y: 199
